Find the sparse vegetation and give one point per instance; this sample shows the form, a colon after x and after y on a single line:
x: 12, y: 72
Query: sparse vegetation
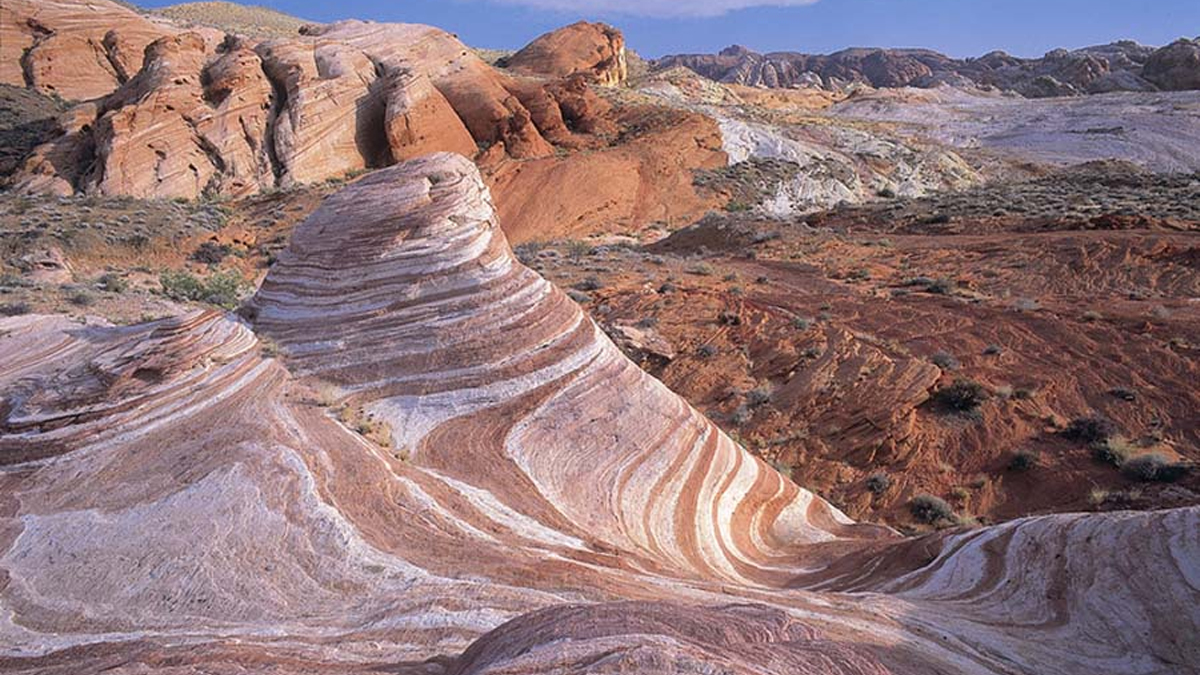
x: 760, y: 395
x: 878, y: 483
x: 962, y: 396
x: 1153, y: 467
x: 211, y: 253
x: 945, y: 361
x: 931, y: 510
x: 1089, y: 429
x: 112, y: 282
x: 1114, y: 450
x: 222, y: 289
x: 15, y: 308
x: 1023, y: 460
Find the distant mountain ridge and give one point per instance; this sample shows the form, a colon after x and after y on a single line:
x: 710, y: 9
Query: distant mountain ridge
x: 1119, y: 66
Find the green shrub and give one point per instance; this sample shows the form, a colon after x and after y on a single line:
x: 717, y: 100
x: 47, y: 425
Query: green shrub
x: 878, y: 483
x: 222, y: 289
x: 15, y: 309
x: 1089, y: 429
x: 945, y: 361
x: 1112, y: 451
x: 211, y: 253
x: 113, y: 283
x: 964, y: 396
x: 931, y: 510
x: 1023, y: 460
x: 1153, y: 467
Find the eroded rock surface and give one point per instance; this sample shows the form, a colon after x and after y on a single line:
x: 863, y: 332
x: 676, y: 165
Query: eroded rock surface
x: 450, y: 469
x: 594, y: 50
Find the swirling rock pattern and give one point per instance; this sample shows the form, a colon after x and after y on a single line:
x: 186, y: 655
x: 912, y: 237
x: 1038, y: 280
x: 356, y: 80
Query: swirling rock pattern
x: 451, y: 470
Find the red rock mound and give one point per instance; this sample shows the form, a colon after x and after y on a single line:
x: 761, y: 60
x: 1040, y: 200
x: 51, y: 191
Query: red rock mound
x: 77, y: 50
x: 595, y: 50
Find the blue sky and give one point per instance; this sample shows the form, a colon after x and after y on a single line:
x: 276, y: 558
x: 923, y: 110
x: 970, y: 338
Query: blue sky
x: 657, y: 27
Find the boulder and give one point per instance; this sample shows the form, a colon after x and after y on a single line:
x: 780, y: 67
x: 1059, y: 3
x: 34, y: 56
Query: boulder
x: 595, y: 50
x: 1176, y: 66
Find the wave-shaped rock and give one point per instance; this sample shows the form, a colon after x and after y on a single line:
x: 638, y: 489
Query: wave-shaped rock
x: 451, y: 469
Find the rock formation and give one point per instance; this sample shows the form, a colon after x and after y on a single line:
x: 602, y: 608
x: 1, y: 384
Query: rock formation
x: 449, y: 469
x: 595, y: 50
x: 231, y: 116
x: 77, y: 50
x: 1120, y: 66
x: 1176, y: 66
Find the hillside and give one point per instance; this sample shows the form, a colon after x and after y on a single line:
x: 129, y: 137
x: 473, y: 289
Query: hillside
x: 251, y: 20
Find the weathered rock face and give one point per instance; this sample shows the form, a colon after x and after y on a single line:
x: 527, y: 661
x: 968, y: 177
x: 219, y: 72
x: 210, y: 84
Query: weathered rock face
x: 234, y: 117
x: 77, y: 50
x: 647, y: 178
x: 1176, y: 66
x: 595, y: 50
x: 1121, y: 66
x: 451, y: 470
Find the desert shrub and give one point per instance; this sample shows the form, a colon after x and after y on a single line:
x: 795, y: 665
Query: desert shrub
x: 1153, y: 467
x: 1023, y: 460
x: 222, y: 289
x: 741, y: 416
x: 1114, y: 451
x: 762, y: 280
x: 729, y: 318
x: 112, y: 282
x: 737, y: 207
x: 667, y: 287
x: 211, y: 253
x: 801, y: 323
x: 931, y: 510
x: 591, y: 283
x: 886, y: 193
x: 577, y: 249
x: 579, y: 296
x: 701, y: 269
x: 528, y: 251
x: 945, y: 361
x: 964, y: 396
x: 941, y: 287
x: 878, y: 483
x: 15, y: 309
x: 918, y: 281
x: 81, y: 298
x: 760, y: 395
x: 707, y: 351
x: 993, y: 350
x: 1089, y: 429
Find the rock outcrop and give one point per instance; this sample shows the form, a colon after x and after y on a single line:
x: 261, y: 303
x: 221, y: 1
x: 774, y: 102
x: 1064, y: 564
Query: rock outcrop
x: 235, y: 116
x: 595, y: 50
x: 76, y: 50
x: 450, y: 469
x: 1120, y: 66
x: 1176, y: 66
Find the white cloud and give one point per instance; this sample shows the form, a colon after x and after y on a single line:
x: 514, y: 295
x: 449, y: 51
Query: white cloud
x: 657, y: 8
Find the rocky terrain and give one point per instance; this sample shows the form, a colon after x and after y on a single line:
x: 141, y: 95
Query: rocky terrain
x: 1121, y: 66
x: 777, y: 380
x: 361, y: 468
